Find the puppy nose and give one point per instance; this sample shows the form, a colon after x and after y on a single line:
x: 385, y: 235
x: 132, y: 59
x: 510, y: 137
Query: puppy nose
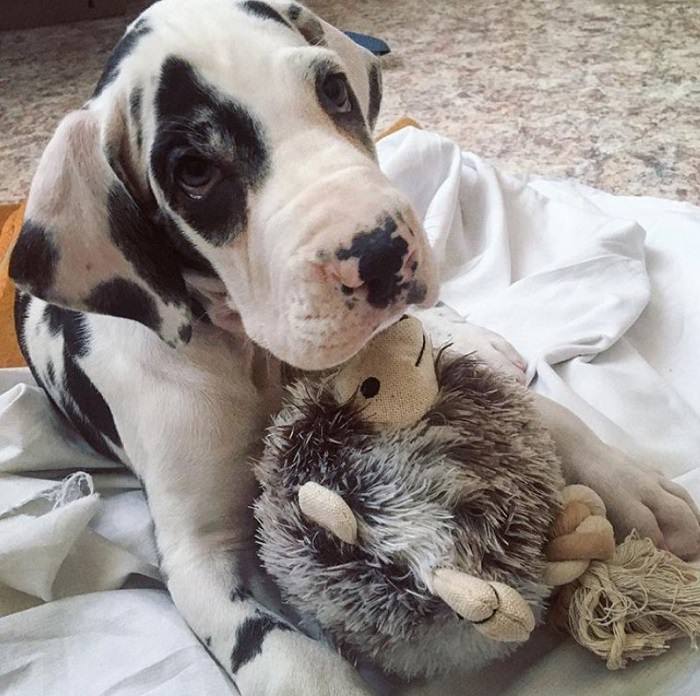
x: 381, y: 262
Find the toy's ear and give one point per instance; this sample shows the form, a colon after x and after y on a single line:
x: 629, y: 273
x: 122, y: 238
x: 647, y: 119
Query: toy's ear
x: 393, y: 378
x: 326, y: 508
x: 86, y: 244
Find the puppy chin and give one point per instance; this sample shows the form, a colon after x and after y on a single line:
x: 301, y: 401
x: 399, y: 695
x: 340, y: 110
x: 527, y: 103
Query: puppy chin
x: 316, y: 358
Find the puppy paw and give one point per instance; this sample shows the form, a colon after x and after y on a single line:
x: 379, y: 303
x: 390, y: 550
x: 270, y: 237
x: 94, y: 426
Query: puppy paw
x: 446, y: 326
x: 638, y: 497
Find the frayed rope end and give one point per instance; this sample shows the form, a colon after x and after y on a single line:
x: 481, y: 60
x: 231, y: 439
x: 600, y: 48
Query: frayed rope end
x: 634, y: 605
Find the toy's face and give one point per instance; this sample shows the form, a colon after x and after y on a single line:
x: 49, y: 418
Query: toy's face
x: 393, y: 379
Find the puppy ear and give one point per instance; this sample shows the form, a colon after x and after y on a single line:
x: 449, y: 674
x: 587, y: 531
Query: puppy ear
x: 363, y: 68
x: 86, y: 244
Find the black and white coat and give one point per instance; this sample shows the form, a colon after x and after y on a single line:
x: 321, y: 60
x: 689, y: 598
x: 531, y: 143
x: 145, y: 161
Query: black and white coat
x: 214, y: 209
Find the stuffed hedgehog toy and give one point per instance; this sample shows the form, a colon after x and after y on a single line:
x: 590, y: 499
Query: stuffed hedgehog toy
x: 412, y: 507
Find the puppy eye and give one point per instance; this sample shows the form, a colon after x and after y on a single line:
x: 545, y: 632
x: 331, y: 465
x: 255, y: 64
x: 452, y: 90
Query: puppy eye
x: 335, y: 97
x: 370, y: 387
x: 195, y: 175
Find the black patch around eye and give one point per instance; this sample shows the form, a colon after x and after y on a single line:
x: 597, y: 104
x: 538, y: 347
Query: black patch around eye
x: 370, y: 387
x: 350, y: 121
x: 34, y: 259
x: 263, y: 10
x: 250, y: 636
x: 123, y: 48
x: 193, y: 115
x: 122, y: 298
x: 375, y: 95
x: 135, y: 112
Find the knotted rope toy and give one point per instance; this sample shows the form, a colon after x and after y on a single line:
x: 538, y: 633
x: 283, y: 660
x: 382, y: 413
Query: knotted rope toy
x: 405, y: 510
x: 623, y: 603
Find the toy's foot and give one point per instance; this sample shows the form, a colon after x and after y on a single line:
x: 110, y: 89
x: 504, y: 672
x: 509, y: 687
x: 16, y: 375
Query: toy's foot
x: 496, y: 610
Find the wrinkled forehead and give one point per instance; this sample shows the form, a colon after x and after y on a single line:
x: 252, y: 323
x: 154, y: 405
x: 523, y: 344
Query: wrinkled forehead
x: 234, y: 44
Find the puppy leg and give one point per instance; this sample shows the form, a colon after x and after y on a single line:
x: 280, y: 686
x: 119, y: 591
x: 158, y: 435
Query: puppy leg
x: 446, y: 326
x: 190, y: 430
x: 208, y: 560
x: 635, y: 494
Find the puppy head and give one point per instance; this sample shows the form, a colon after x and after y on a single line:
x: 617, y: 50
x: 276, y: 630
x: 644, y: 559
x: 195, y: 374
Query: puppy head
x: 228, y: 143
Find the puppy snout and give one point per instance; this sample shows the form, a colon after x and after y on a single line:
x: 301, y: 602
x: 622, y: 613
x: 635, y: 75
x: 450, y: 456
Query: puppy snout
x: 379, y: 264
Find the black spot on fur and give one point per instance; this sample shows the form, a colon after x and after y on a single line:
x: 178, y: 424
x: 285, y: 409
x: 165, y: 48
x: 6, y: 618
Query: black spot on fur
x: 238, y: 594
x: 75, y: 332
x: 121, y: 51
x: 85, y: 406
x: 416, y: 292
x: 380, y: 256
x: 195, y: 119
x: 264, y: 11
x: 186, y: 253
x: 250, y: 637
x: 185, y: 333
x: 142, y: 245
x: 199, y: 312
x: 122, y: 298
x: 351, y: 122
x: 52, y: 317
x: 294, y: 11
x: 34, y: 260
x: 207, y: 641
x: 135, y: 112
x: 50, y: 372
x: 375, y: 95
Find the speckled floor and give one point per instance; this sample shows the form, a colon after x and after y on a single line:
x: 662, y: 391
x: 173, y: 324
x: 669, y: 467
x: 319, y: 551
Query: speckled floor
x: 606, y: 92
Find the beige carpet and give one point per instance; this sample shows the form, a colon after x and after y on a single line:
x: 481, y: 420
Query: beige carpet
x: 607, y: 92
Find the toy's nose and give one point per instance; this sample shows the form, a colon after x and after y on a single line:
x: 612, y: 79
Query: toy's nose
x: 381, y: 262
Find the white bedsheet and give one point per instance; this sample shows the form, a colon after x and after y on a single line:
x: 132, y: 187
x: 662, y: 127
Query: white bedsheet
x: 598, y: 292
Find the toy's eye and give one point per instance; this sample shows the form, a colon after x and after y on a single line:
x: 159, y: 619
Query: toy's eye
x: 370, y: 387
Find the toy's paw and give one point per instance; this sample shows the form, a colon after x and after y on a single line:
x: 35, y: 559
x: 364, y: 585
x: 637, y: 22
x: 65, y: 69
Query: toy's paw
x: 496, y: 610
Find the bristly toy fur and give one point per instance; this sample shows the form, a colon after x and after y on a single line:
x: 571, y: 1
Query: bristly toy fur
x: 474, y: 485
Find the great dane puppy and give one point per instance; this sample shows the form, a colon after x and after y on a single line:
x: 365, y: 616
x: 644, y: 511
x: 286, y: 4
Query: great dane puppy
x: 213, y: 212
